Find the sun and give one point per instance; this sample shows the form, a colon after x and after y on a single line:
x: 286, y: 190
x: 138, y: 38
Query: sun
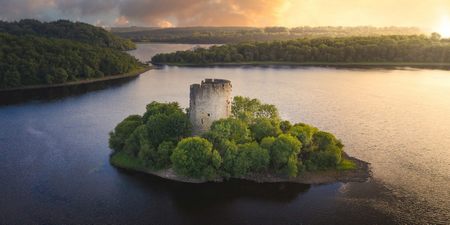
x: 444, y: 27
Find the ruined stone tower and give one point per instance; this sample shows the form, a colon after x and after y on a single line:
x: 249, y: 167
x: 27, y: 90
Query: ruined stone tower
x: 209, y: 101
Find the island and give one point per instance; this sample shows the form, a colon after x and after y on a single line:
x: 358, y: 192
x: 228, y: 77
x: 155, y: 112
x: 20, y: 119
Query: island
x: 41, y: 55
x: 372, y: 51
x: 219, y: 138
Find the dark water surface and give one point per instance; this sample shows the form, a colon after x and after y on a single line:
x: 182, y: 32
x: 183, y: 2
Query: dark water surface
x: 54, y: 154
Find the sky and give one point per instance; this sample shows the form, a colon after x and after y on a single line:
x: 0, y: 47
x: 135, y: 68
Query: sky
x: 426, y: 14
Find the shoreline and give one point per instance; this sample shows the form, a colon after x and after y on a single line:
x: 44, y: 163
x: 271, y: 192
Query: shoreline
x: 361, y: 173
x: 444, y: 66
x: 133, y: 73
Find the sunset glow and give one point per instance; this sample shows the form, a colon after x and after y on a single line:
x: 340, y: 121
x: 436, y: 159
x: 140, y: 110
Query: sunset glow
x: 444, y: 27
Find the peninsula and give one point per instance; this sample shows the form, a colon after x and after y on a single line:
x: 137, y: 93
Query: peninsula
x: 34, y: 54
x: 220, y: 137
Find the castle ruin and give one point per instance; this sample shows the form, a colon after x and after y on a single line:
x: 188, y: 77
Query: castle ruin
x: 209, y: 101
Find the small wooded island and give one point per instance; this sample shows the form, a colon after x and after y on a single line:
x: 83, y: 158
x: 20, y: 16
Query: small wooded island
x: 220, y: 138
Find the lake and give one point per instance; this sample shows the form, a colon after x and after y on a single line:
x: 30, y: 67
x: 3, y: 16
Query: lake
x: 54, y: 149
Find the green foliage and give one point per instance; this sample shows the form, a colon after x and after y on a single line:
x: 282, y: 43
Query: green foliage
x: 250, y: 158
x: 346, y: 165
x: 64, y: 29
x: 263, y: 127
x: 166, y: 122
x: 230, y: 148
x: 329, y: 158
x: 164, y: 152
x: 322, y: 140
x: 194, y: 157
x: 220, y: 35
x: 267, y: 142
x: 247, y: 110
x: 373, y: 49
x: 304, y: 134
x: 285, y: 126
x: 31, y: 60
x: 138, y: 141
x: 285, y: 147
x: 122, y: 131
x: 229, y: 152
x: 228, y: 129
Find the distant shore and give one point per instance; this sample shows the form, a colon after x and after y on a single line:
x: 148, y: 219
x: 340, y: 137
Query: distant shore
x: 359, y: 174
x: 133, y: 73
x: 318, y: 64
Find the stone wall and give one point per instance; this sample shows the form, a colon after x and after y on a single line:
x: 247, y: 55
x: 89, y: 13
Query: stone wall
x: 209, y: 101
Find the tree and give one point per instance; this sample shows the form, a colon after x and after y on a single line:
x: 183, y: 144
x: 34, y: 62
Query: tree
x: 194, y: 157
x: 304, y: 134
x: 284, y: 147
x: 250, y: 158
x: 228, y: 129
x: 164, y: 152
x: 122, y: 131
x: 264, y: 127
x: 322, y: 140
x: 247, y: 109
x: 267, y: 142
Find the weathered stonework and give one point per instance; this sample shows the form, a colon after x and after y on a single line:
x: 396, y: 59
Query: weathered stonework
x: 209, y: 101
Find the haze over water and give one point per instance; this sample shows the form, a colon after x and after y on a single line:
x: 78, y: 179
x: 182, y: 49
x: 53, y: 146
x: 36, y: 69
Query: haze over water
x: 55, y: 169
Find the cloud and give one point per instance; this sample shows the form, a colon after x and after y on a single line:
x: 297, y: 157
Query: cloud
x: 233, y: 12
x: 86, y: 7
x: 121, y: 21
x: 151, y: 12
x: 204, y: 13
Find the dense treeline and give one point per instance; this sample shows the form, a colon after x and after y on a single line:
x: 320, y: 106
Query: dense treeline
x: 65, y: 29
x: 31, y: 60
x: 220, y: 35
x: 415, y: 48
x: 254, y: 141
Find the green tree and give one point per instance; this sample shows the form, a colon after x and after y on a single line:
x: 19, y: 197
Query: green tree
x: 304, y: 134
x: 194, y: 157
x: 228, y: 129
x: 263, y: 127
x: 164, y: 152
x: 250, y: 158
x: 122, y: 131
x: 284, y: 147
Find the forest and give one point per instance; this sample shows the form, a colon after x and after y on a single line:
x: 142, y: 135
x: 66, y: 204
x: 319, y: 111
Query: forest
x: 30, y: 60
x: 46, y: 53
x: 64, y: 29
x: 222, y: 35
x: 253, y: 141
x: 375, y: 49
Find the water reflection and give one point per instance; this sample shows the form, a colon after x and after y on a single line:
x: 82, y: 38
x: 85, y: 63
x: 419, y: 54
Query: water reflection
x: 55, y: 93
x: 198, y: 196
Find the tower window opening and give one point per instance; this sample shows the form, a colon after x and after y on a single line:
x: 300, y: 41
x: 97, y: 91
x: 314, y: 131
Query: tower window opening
x: 209, y: 114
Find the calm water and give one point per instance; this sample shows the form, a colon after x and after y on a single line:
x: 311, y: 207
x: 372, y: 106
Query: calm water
x: 54, y: 155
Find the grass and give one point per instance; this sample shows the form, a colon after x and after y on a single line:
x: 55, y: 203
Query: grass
x: 346, y: 165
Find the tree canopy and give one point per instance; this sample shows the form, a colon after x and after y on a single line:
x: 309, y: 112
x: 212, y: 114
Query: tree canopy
x: 32, y: 60
x: 221, y: 35
x: 64, y: 29
x: 414, y: 48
